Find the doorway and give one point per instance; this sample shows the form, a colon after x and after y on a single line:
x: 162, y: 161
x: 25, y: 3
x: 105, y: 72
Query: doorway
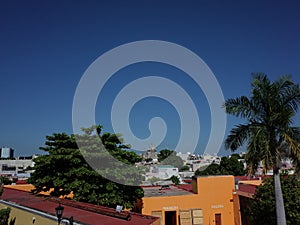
x: 170, y: 217
x: 218, y: 219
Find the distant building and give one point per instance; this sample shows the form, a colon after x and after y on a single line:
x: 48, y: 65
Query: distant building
x: 7, y: 152
x: 150, y: 154
x: 184, y: 156
x: 16, y: 167
x: 202, y: 161
x: 162, y: 172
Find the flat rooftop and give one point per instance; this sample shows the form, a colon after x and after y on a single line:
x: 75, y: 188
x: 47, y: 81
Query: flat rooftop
x: 158, y: 191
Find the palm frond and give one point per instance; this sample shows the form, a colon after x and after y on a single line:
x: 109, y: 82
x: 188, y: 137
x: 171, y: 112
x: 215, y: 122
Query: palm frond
x: 240, y: 107
x: 237, y: 136
x: 293, y: 145
x: 290, y: 97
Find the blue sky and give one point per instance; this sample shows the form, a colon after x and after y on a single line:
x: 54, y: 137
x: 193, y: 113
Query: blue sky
x: 45, y: 48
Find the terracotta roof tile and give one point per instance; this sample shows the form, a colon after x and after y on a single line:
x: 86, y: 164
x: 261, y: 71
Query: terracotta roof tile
x: 82, y: 212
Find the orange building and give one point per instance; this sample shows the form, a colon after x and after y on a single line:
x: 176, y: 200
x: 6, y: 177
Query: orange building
x: 209, y: 201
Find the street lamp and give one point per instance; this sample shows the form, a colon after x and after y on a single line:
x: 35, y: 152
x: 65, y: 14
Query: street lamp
x: 59, y: 212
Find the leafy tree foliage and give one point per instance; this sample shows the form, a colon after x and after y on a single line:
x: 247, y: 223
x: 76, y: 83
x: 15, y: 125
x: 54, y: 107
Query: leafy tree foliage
x: 169, y: 157
x: 164, y: 153
x: 4, y: 217
x: 262, y: 209
x: 148, y: 160
x: 231, y: 166
x: 175, y: 180
x: 5, y: 180
x: 64, y: 170
x: 212, y: 169
x: 1, y: 189
x: 184, y: 168
x: 268, y: 132
x: 173, y: 160
x: 228, y: 166
x: 4, y: 213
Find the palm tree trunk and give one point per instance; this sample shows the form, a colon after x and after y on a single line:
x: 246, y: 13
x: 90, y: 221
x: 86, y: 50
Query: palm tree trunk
x: 280, y: 212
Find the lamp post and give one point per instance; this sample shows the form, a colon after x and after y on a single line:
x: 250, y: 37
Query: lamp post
x: 59, y: 212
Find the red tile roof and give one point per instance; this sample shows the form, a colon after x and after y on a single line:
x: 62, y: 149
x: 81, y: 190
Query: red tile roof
x: 247, y: 188
x: 186, y: 187
x: 82, y: 212
x: 251, y: 177
x: 18, y: 182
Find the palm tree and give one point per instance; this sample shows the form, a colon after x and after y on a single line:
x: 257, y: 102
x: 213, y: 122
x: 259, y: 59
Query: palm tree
x: 269, y: 112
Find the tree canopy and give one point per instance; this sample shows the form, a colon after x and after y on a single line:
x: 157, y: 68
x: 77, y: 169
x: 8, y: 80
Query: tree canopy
x: 228, y: 166
x: 262, y: 211
x: 64, y: 170
x: 212, y: 169
x: 169, y: 157
x: 5, y: 180
x: 5, y: 213
x: 4, y: 217
x: 164, y: 153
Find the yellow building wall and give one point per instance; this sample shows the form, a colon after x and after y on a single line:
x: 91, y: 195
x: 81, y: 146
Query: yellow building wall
x: 24, y: 217
x: 237, y: 213
x: 215, y: 195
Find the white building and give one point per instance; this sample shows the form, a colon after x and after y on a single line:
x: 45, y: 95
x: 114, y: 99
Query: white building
x: 184, y: 156
x: 7, y: 152
x: 151, y: 153
x: 202, y: 161
x: 15, y: 167
x: 162, y: 172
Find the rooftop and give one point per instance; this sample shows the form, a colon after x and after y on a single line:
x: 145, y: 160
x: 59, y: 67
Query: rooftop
x: 165, y: 190
x: 247, y: 187
x: 165, y: 166
x: 28, y: 187
x: 84, y: 213
x: 251, y: 182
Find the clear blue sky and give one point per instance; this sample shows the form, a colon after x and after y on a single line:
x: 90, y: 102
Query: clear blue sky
x: 46, y: 46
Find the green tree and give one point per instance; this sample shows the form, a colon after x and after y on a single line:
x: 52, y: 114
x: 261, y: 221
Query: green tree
x: 5, y: 180
x: 5, y: 213
x: 231, y: 166
x: 164, y: 153
x: 4, y: 216
x: 64, y: 170
x: 148, y: 160
x: 184, y: 168
x: 106, y: 154
x: 175, y: 180
x: 212, y: 169
x: 262, y: 210
x: 268, y: 131
x: 173, y: 160
x: 228, y: 166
